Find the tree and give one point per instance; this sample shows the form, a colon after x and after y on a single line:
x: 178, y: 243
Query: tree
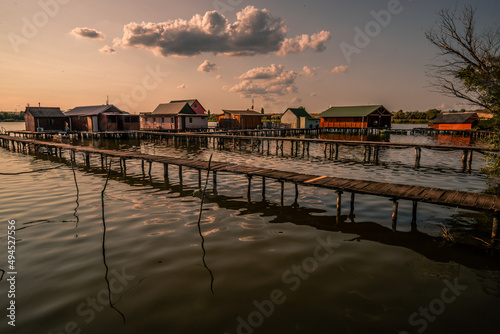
x: 468, y: 64
x: 262, y: 110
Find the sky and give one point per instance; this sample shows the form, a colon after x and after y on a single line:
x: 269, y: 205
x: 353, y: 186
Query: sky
x: 228, y: 54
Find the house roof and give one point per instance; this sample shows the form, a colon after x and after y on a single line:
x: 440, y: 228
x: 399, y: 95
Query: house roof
x: 174, y: 108
x: 45, y: 112
x: 190, y: 101
x: 353, y: 111
x: 455, y: 118
x: 247, y: 112
x: 299, y: 112
x: 92, y: 110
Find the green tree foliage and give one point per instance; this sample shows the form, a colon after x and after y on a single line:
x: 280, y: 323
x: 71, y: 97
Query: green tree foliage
x: 469, y: 66
x: 11, y: 116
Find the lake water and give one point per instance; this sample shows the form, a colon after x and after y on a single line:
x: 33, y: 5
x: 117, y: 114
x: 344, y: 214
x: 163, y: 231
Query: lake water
x: 260, y: 267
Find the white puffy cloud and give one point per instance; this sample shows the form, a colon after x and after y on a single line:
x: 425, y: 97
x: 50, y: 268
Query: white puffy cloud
x: 340, y: 69
x: 315, y: 42
x: 84, y: 32
x: 310, y: 71
x: 268, y: 82
x: 255, y: 31
x: 208, y: 67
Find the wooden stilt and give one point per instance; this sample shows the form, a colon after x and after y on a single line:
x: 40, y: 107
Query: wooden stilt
x: 495, y: 229
x: 351, y: 212
x: 249, y: 188
x: 339, y: 206
x: 296, y: 193
x: 199, y: 179
x: 180, y: 175
x: 282, y: 193
x: 395, y: 214
x: 263, y: 188
x: 165, y: 172
x: 336, y: 151
x: 414, y: 216
x: 215, y: 181
x: 124, y: 167
x: 142, y: 167
x: 469, y: 163
x: 464, y: 159
x: 150, y: 167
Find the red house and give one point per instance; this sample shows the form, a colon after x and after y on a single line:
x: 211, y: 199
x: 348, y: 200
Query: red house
x: 101, y: 119
x: 240, y: 119
x: 194, y: 104
x: 356, y: 117
x: 44, y: 119
x: 455, y: 121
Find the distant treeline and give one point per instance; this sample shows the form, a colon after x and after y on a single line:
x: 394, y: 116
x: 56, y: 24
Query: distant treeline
x: 415, y: 116
x: 11, y: 116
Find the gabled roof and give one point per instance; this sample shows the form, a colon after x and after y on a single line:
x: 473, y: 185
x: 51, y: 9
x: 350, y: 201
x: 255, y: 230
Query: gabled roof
x: 455, y: 118
x: 354, y: 111
x: 174, y: 108
x: 45, y: 112
x: 190, y: 101
x: 92, y: 110
x: 299, y: 112
x: 247, y: 112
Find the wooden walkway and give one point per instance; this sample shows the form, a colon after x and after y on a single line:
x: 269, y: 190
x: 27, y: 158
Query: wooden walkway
x: 298, y: 146
x: 396, y: 192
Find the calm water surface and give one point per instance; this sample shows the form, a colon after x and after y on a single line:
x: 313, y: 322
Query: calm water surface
x: 259, y: 268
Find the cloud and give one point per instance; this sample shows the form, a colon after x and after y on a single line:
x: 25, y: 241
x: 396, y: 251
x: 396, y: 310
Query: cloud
x: 310, y: 71
x: 219, y: 77
x: 208, y: 67
x: 269, y: 82
x: 340, y: 69
x: 304, y: 42
x: 107, y: 49
x: 88, y: 33
x: 254, y: 32
x: 181, y: 86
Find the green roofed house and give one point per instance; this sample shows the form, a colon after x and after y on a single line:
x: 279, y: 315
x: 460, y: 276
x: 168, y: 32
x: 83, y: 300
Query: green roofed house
x: 356, y: 117
x: 299, y: 118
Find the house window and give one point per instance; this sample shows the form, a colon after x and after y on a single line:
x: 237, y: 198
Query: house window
x: 163, y: 119
x: 154, y: 119
x: 195, y: 106
x: 172, y: 120
x: 190, y: 120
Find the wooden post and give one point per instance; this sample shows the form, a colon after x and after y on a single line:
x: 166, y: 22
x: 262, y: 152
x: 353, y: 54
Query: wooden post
x: 414, y: 216
x: 150, y: 167
x: 249, y: 188
x: 418, y: 154
x: 495, y: 229
x: 180, y: 175
x: 351, y: 213
x: 215, y: 181
x: 282, y: 193
x: 395, y: 214
x: 142, y: 166
x: 199, y: 179
x: 263, y: 188
x: 464, y: 160
x: 296, y: 194
x: 469, y: 163
x: 102, y: 161
x: 336, y: 151
x: 165, y: 172
x: 339, y: 206
x: 124, y: 166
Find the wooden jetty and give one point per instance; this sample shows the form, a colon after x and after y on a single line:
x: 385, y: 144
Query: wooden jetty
x: 395, y: 192
x: 266, y: 145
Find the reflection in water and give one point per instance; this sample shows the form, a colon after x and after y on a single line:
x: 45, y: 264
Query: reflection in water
x: 199, y: 228
x: 75, y: 214
x: 104, y: 245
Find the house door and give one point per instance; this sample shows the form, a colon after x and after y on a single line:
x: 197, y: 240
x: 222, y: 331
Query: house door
x: 183, y: 126
x: 95, y: 124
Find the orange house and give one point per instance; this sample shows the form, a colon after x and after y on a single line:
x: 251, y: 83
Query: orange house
x: 240, y: 119
x: 455, y: 121
x: 356, y: 117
